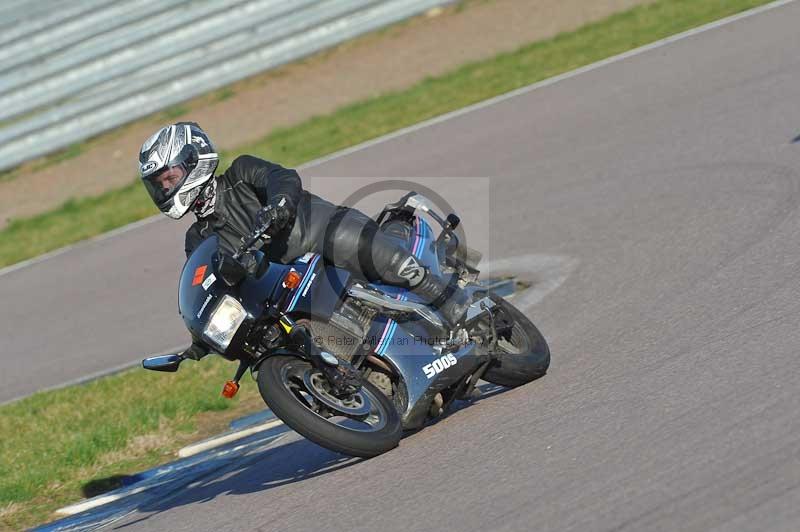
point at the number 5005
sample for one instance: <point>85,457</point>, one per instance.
<point>439,365</point>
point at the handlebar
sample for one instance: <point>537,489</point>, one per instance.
<point>247,243</point>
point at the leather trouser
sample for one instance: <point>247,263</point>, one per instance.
<point>353,241</point>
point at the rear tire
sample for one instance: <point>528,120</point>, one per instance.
<point>524,357</point>
<point>282,390</point>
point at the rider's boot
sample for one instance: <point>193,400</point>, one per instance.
<point>447,297</point>
<point>442,294</point>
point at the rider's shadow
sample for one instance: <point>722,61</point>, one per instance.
<point>260,471</point>
<point>272,467</point>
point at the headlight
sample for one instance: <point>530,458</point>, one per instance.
<point>224,322</point>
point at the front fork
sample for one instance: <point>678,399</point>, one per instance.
<point>344,379</point>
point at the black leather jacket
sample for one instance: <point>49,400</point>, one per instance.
<point>249,184</point>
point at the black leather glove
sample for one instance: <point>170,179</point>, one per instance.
<point>276,213</point>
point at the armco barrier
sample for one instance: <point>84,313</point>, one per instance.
<point>71,70</point>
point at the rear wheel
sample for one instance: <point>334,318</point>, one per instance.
<point>364,424</point>
<point>523,355</point>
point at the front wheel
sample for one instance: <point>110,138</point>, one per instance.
<point>364,424</point>
<point>523,354</point>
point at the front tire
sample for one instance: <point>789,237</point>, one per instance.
<point>524,356</point>
<point>284,385</point>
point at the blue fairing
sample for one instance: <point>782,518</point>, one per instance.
<point>422,246</point>
<point>408,345</point>
<point>408,348</point>
<point>200,287</point>
<point>321,287</point>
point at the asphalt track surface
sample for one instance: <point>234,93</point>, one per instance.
<point>672,399</point>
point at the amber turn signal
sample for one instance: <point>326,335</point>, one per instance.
<point>230,389</point>
<point>292,280</point>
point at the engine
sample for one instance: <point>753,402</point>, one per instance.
<point>345,333</point>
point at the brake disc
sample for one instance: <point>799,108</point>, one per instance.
<point>355,405</point>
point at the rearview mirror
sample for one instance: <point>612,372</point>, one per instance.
<point>163,363</point>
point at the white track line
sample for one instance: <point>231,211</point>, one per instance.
<point>199,466</point>
<point>549,81</point>
<point>98,238</point>
<point>451,115</point>
<point>99,501</point>
<point>92,376</point>
<point>199,447</point>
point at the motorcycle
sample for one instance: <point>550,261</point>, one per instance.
<point>347,363</point>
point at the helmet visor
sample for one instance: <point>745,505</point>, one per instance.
<point>162,186</point>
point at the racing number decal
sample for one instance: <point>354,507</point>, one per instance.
<point>439,365</point>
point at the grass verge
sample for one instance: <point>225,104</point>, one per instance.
<point>55,443</point>
<point>77,220</point>
<point>62,445</point>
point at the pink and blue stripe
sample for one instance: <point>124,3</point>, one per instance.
<point>312,265</point>
<point>420,241</point>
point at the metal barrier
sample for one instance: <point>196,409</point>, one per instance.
<point>70,70</point>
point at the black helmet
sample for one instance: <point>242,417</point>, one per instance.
<point>175,164</point>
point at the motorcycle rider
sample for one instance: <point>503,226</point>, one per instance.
<point>177,166</point>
